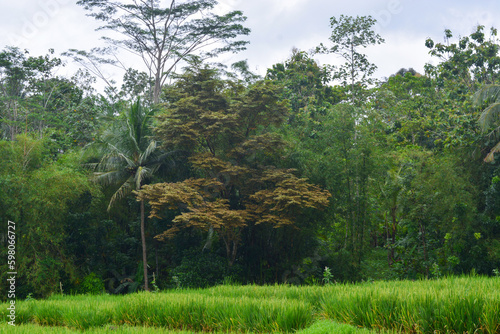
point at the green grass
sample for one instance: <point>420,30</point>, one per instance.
<point>456,305</point>
<point>319,327</point>
<point>329,327</point>
<point>451,305</point>
<point>108,329</point>
<point>175,310</point>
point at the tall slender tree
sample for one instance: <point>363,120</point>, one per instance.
<point>128,159</point>
<point>349,34</point>
<point>164,36</point>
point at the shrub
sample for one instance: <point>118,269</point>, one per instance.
<point>92,284</point>
<point>203,269</point>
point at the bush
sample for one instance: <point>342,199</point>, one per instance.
<point>203,269</point>
<point>92,284</point>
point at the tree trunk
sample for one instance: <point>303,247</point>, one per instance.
<point>393,235</point>
<point>349,199</point>
<point>144,257</point>
<point>156,90</point>
<point>157,260</point>
<point>424,245</point>
<point>158,75</point>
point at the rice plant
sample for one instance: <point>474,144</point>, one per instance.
<point>109,329</point>
<point>184,311</point>
<point>449,305</point>
<point>457,305</point>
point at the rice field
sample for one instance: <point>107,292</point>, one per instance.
<point>450,305</point>
<point>319,327</point>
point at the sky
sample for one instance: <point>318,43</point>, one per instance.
<point>277,27</point>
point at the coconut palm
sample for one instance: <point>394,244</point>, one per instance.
<point>489,120</point>
<point>129,157</point>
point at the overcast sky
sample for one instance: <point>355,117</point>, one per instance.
<point>277,26</point>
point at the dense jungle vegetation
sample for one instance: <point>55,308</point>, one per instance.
<point>192,174</point>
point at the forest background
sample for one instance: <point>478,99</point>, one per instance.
<point>196,173</point>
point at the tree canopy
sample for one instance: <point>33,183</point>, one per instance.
<point>210,174</point>
<point>233,154</point>
<point>164,36</point>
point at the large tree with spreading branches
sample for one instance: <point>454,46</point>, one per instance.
<point>162,35</point>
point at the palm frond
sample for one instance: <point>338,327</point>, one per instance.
<point>110,163</point>
<point>118,156</point>
<point>118,138</point>
<point>145,123</point>
<point>124,190</point>
<point>138,119</point>
<point>146,154</point>
<point>491,155</point>
<point>164,155</point>
<point>141,174</point>
<point>91,165</point>
<point>489,117</point>
<point>111,177</point>
<point>127,156</point>
<point>91,151</point>
<point>488,93</point>
<point>132,134</point>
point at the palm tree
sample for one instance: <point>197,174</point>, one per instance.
<point>129,157</point>
<point>490,116</point>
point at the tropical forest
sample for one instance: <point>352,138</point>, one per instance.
<point>196,196</point>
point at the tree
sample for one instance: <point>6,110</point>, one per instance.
<point>333,148</point>
<point>469,66</point>
<point>128,159</point>
<point>233,153</point>
<point>473,60</point>
<point>26,87</point>
<point>349,178</point>
<point>38,195</point>
<point>412,110</point>
<point>488,120</point>
<point>402,72</point>
<point>437,219</point>
<point>348,35</point>
<point>164,36</point>
<point>472,66</point>
<point>33,99</point>
<point>305,86</point>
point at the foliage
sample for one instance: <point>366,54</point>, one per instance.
<point>164,36</point>
<point>128,159</point>
<point>238,167</point>
<point>470,62</point>
<point>327,276</point>
<point>348,36</point>
<point>464,304</point>
<point>435,197</point>
<point>232,151</point>
<point>488,119</point>
<point>431,127</point>
<point>416,112</point>
<point>332,143</point>
<point>201,269</point>
<point>33,99</point>
<point>127,156</point>
<point>304,86</point>
<point>92,284</point>
<point>323,151</point>
<point>40,217</point>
